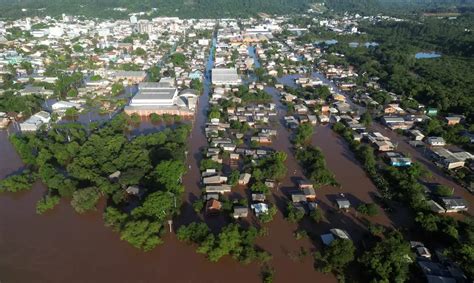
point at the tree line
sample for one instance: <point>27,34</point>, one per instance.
<point>75,162</point>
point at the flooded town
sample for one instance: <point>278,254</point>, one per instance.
<point>256,149</point>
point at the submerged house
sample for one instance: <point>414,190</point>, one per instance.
<point>454,204</point>
<point>240,212</point>
<point>343,203</point>
<point>333,234</point>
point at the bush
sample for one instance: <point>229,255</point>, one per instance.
<point>294,215</point>
<point>135,118</point>
<point>268,217</point>
<point>376,229</point>
<point>303,134</point>
<point>114,218</point>
<point>85,199</point>
<point>232,240</point>
<point>142,234</point>
<point>19,182</point>
<point>155,118</point>
<point>209,164</point>
<point>443,191</point>
<point>259,187</point>
<point>47,203</point>
<point>234,177</point>
<point>369,209</point>
<point>198,205</point>
<point>268,274</point>
<point>336,256</point>
<point>312,160</point>
<point>317,215</point>
<point>300,234</point>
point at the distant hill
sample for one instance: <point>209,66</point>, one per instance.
<point>209,8</point>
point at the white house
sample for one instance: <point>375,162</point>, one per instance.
<point>34,122</point>
<point>435,141</point>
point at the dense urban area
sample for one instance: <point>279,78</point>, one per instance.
<point>296,142</point>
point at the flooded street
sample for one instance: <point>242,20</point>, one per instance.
<point>355,184</point>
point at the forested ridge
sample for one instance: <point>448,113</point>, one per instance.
<point>212,8</point>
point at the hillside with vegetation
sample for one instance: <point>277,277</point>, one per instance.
<point>212,8</point>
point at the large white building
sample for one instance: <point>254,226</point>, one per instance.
<point>162,98</point>
<point>157,94</point>
<point>225,76</point>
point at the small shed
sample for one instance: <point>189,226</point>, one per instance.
<point>114,176</point>
<point>298,197</point>
<point>258,197</point>
<point>244,179</point>
<point>270,184</point>
<point>343,203</point>
<point>334,234</point>
<point>133,190</point>
<point>240,212</point>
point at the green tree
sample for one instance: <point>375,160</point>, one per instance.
<point>196,232</point>
<point>464,255</point>
<point>214,114</point>
<point>20,182</point>
<point>154,73</point>
<point>366,119</point>
<point>117,88</point>
<point>317,215</point>
<point>268,216</point>
<point>443,191</point>
<point>158,205</point>
<point>294,214</point>
<point>178,59</point>
<point>139,52</point>
<point>369,209</point>
<point>336,256</point>
<point>84,200</point>
<point>114,218</point>
<point>72,112</point>
<point>197,85</point>
<point>142,234</point>
<point>168,174</point>
<point>303,133</point>
<point>234,177</point>
<point>48,202</point>
<point>388,260</point>
<point>155,118</point>
<point>209,164</point>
